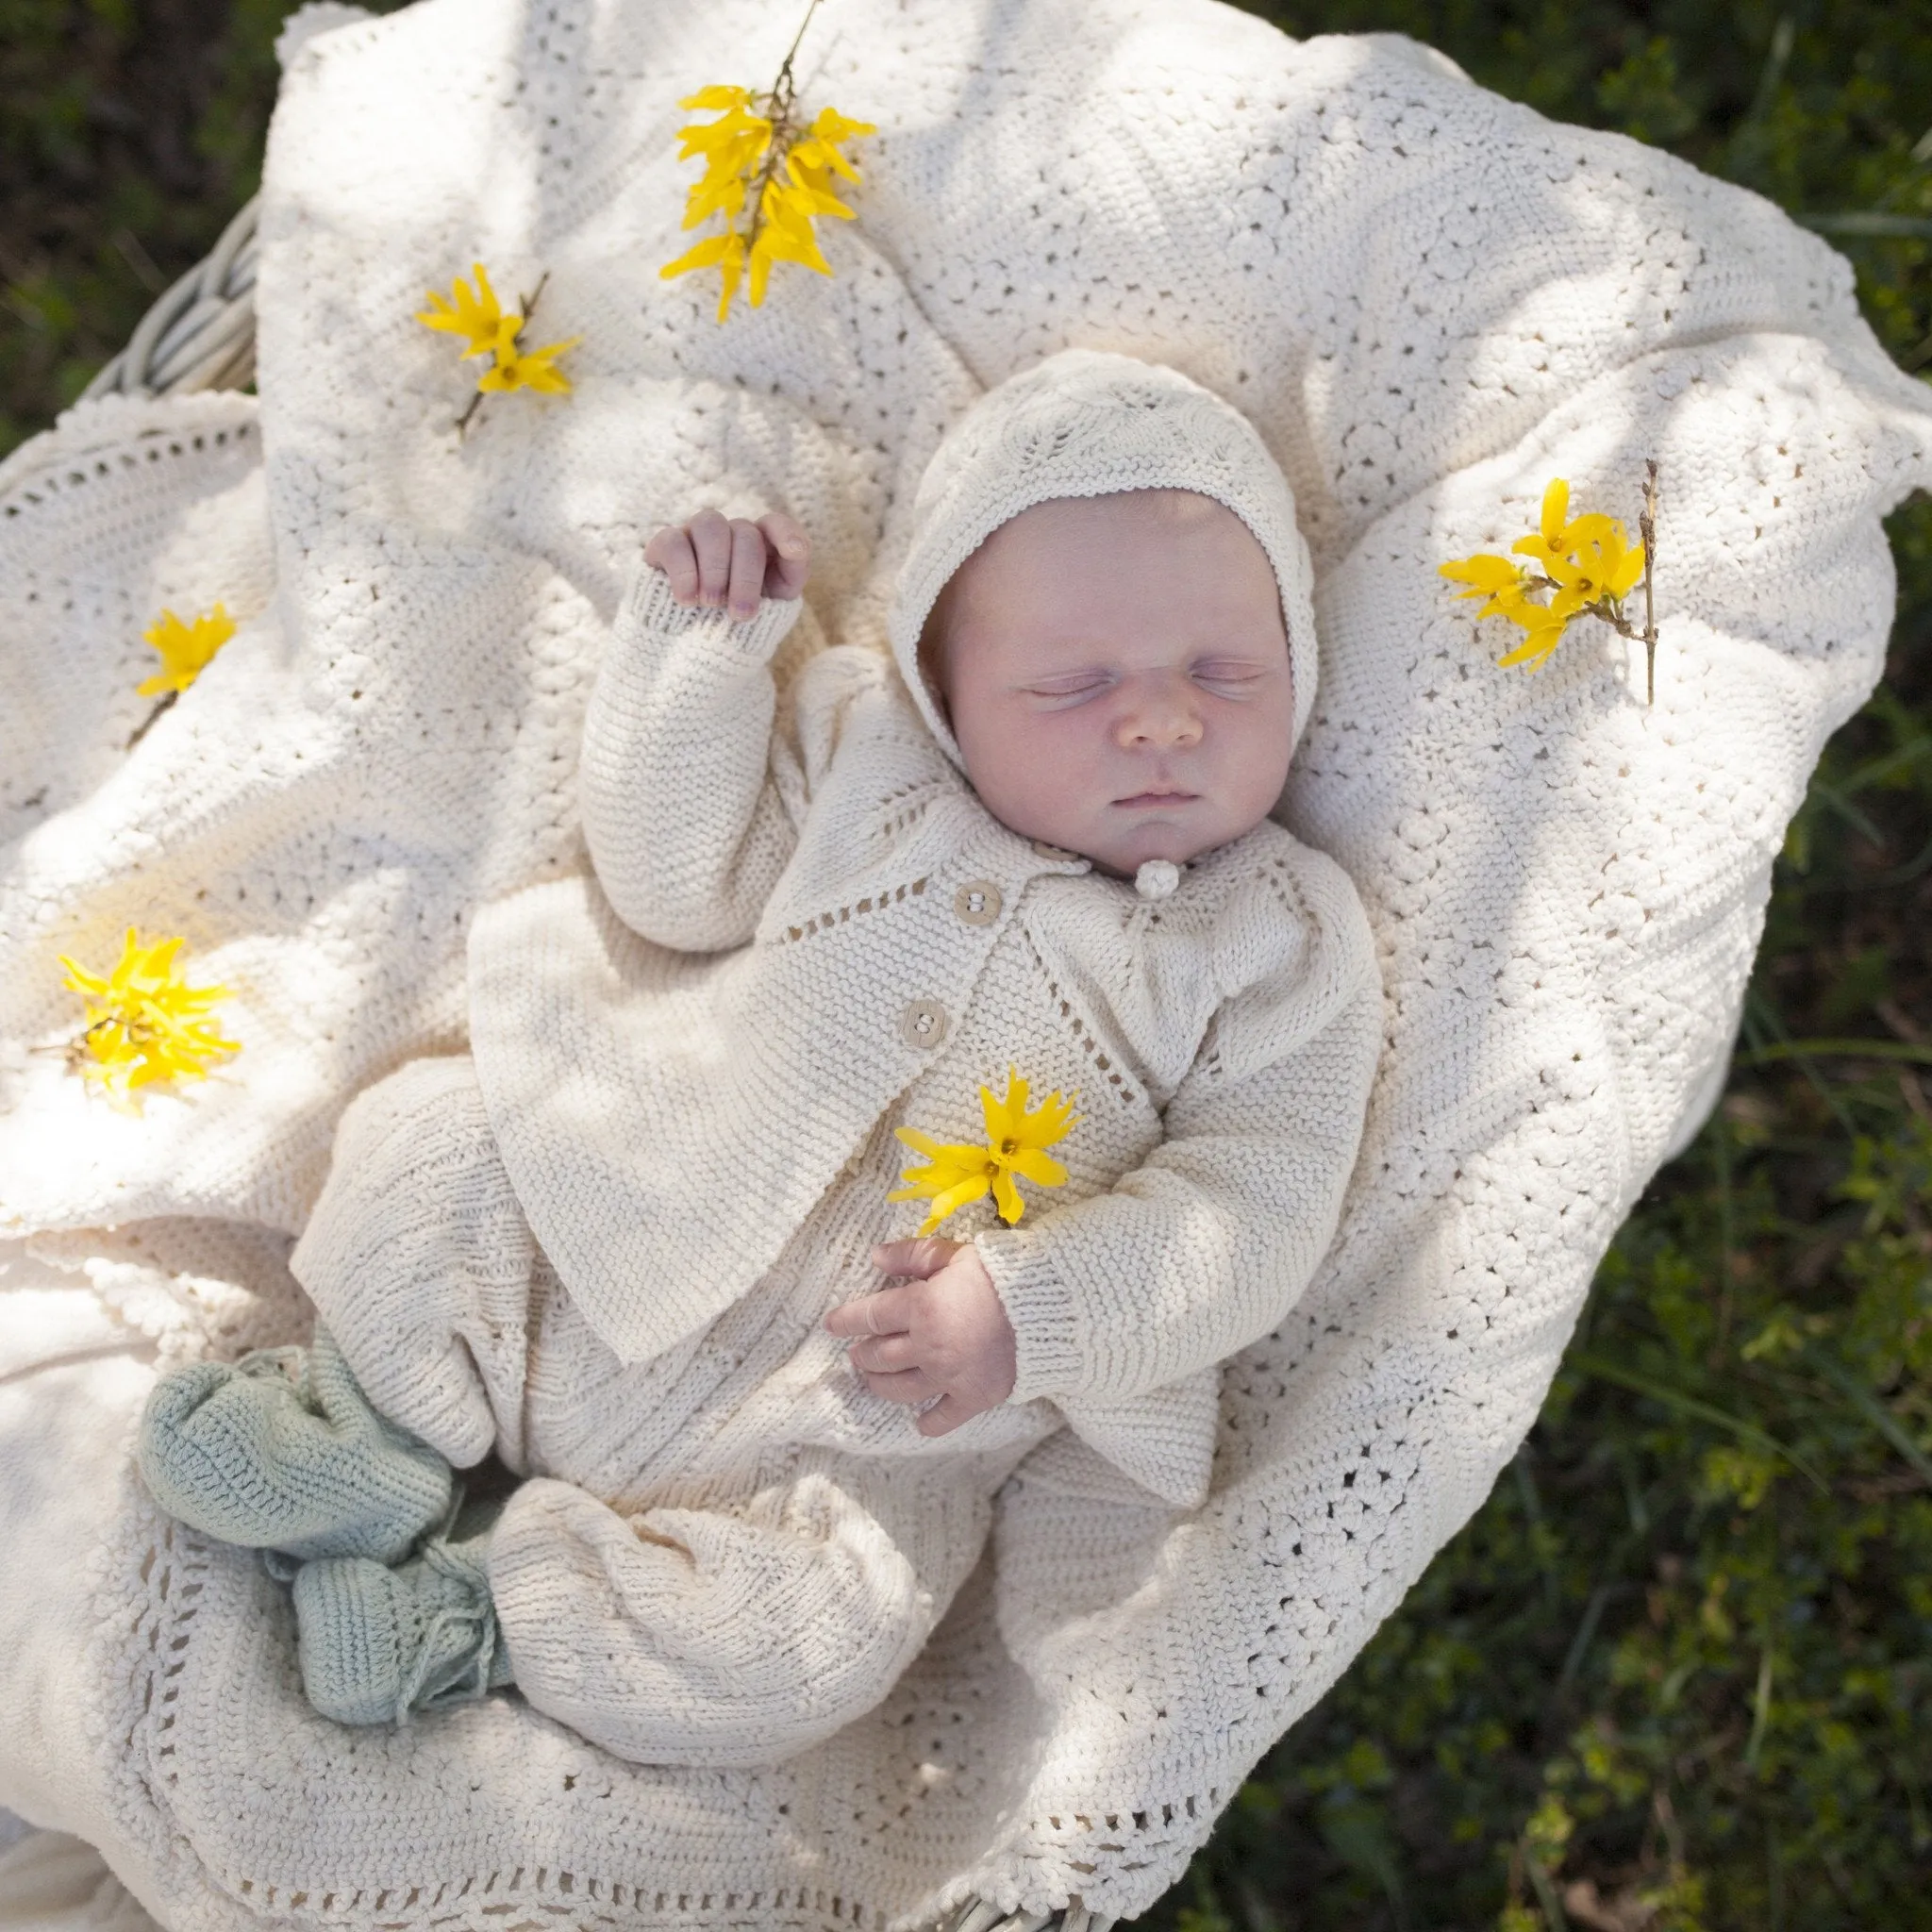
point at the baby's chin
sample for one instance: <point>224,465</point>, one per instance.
<point>1123,850</point>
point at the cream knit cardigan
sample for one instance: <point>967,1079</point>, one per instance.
<point>669,1118</point>
<point>1431,302</point>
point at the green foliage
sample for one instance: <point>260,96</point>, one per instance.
<point>131,130</point>
<point>1676,1676</point>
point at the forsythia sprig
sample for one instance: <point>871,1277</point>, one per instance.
<point>186,650</point>
<point>1588,565</point>
<point>144,1023</point>
<point>953,1175</point>
<point>770,177</point>
<point>478,318</point>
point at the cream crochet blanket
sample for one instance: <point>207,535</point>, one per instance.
<point>1431,302</point>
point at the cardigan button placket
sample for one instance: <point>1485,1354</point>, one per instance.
<point>923,1023</point>
<point>979,902</point>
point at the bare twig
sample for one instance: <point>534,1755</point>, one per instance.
<point>1646,525</point>
<point>778,105</point>
<point>148,723</point>
<point>528,304</point>
<point>1610,611</point>
<point>783,84</point>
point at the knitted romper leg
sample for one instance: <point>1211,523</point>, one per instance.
<point>283,1451</point>
<point>731,1636</point>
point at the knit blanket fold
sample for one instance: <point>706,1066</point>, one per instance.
<point>1431,302</point>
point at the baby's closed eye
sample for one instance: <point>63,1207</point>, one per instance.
<point>1069,687</point>
<point>1232,676</point>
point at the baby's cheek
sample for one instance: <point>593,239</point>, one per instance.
<point>1253,760</point>
<point>1034,772</point>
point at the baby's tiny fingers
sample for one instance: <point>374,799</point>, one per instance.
<point>915,1260</point>
<point>884,1354</point>
<point>909,1386</point>
<point>747,569</point>
<point>888,1312</point>
<point>669,551</point>
<point>943,1417</point>
<point>711,537</point>
<point>789,562</point>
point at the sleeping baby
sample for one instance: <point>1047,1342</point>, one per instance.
<point>948,1053</point>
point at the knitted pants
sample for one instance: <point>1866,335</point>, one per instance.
<point>747,1615</point>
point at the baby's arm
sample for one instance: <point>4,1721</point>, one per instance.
<point>686,828</point>
<point>1208,1244</point>
<point>1198,1252</point>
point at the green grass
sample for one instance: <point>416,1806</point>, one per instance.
<point>1678,1672</point>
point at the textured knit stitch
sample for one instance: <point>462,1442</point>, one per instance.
<point>1351,245</point>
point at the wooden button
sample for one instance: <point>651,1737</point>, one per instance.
<point>979,902</point>
<point>923,1023</point>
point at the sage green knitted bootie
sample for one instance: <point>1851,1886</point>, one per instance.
<point>282,1451</point>
<point>378,1643</point>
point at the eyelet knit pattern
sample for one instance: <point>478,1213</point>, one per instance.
<point>1429,302</point>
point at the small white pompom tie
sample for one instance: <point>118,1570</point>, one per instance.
<point>1157,879</point>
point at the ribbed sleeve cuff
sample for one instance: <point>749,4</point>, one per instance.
<point>653,609</point>
<point>1049,1358</point>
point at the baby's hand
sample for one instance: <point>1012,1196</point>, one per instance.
<point>710,560</point>
<point>943,1333</point>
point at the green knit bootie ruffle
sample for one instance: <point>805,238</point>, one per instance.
<point>377,1643</point>
<point>282,1451</point>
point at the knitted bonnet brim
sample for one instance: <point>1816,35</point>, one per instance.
<point>1085,423</point>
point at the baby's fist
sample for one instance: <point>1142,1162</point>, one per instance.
<point>944,1334</point>
<point>714,562</point>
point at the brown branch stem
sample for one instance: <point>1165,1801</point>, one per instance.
<point>1610,611</point>
<point>1646,526</point>
<point>152,719</point>
<point>528,304</point>
<point>783,83</point>
<point>779,102</point>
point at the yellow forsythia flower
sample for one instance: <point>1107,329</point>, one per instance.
<point>768,178</point>
<point>479,319</point>
<point>144,1023</point>
<point>184,649</point>
<point>472,313</point>
<point>954,1176</point>
<point>529,369</point>
<point>1589,563</point>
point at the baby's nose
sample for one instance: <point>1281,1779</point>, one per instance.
<point>1165,720</point>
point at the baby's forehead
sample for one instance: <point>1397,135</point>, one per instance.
<point>1118,530</point>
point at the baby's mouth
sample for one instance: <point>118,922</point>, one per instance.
<point>1148,801</point>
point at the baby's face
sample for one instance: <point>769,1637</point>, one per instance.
<point>1116,672</point>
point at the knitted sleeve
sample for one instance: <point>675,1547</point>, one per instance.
<point>1207,1245</point>
<point>688,827</point>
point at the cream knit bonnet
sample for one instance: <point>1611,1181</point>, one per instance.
<point>1088,423</point>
